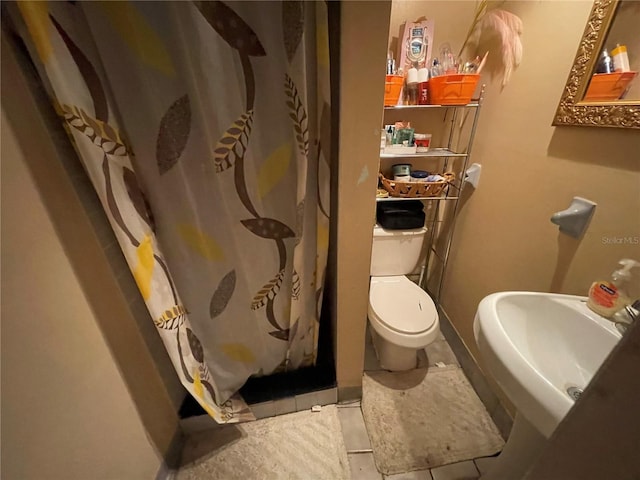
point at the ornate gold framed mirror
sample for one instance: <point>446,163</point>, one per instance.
<point>615,108</point>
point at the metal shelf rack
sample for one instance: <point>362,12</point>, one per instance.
<point>442,211</point>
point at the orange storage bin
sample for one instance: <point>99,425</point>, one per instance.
<point>608,87</point>
<point>454,89</point>
<point>392,88</point>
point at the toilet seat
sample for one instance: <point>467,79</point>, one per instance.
<point>401,305</point>
<point>401,312</point>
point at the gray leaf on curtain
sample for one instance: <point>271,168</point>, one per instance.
<point>226,165</point>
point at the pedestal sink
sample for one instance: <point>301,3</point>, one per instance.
<point>542,349</point>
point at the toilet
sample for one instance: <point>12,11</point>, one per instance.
<point>403,317</point>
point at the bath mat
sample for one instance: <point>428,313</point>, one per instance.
<point>425,418</point>
<point>305,445</point>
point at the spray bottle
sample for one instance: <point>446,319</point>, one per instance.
<point>606,298</point>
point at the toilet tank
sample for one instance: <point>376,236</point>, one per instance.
<point>396,252</point>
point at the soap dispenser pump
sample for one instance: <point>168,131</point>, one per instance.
<point>606,298</point>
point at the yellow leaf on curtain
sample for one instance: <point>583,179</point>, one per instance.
<point>322,237</point>
<point>198,389</point>
<point>200,242</point>
<point>138,35</point>
<point>273,169</point>
<point>36,16</point>
<point>144,268</point>
<point>238,352</point>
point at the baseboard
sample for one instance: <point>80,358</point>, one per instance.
<point>499,414</point>
<point>270,408</point>
<point>165,473</point>
<point>172,457</point>
<point>347,394</point>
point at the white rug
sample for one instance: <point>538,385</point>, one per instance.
<point>305,445</point>
<point>425,418</point>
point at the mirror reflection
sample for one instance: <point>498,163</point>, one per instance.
<point>615,74</point>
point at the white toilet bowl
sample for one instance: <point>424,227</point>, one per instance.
<point>404,319</point>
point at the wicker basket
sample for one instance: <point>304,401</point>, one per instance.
<point>416,189</point>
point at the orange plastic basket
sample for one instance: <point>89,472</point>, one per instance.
<point>392,88</point>
<point>452,89</point>
<point>607,87</point>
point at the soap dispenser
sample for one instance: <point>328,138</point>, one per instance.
<point>606,298</point>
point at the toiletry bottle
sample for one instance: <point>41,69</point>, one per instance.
<point>605,64</point>
<point>620,58</point>
<point>390,134</point>
<point>606,298</point>
<point>412,85</point>
<point>423,92</point>
<point>436,69</point>
<point>391,64</point>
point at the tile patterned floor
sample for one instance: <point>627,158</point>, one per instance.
<point>361,461</point>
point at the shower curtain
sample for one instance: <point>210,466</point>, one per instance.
<point>204,128</point>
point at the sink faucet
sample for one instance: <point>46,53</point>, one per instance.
<point>626,316</point>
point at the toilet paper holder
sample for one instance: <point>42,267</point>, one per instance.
<point>574,220</point>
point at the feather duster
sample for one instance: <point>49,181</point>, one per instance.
<point>508,28</point>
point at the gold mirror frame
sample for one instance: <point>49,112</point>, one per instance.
<point>572,110</point>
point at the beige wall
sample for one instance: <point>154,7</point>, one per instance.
<point>81,394</point>
<point>364,27</point>
<point>452,21</point>
<point>66,412</point>
<point>503,238</point>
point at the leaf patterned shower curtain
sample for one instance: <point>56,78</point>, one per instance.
<point>204,128</point>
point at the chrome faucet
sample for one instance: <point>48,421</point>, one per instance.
<point>626,316</point>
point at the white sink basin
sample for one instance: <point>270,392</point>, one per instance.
<point>538,345</point>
